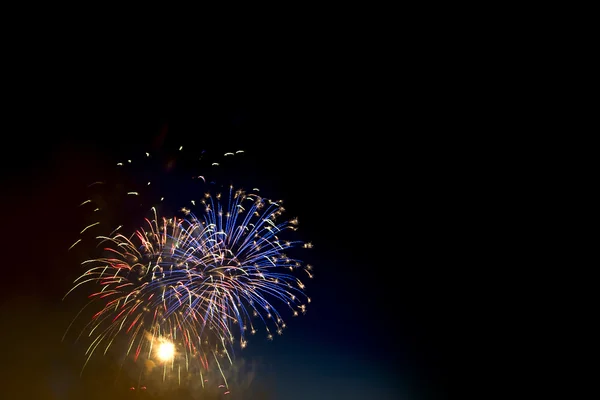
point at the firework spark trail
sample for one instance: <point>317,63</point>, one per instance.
<point>196,281</point>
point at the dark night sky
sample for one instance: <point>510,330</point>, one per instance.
<point>362,178</point>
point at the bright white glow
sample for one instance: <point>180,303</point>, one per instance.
<point>166,351</point>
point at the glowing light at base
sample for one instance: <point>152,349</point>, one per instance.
<point>165,351</point>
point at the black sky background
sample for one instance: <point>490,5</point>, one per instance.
<point>364,175</point>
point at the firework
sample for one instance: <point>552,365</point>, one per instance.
<point>186,290</point>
